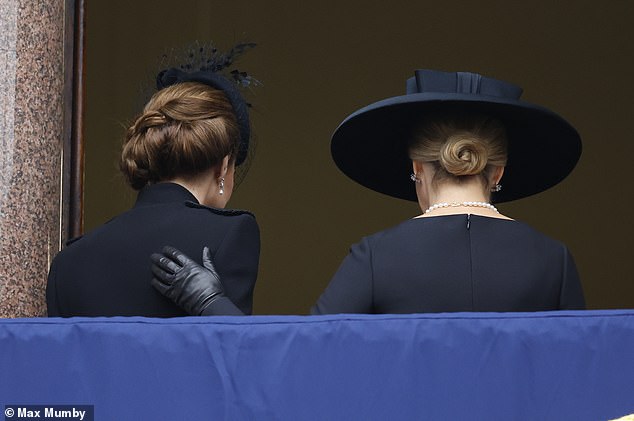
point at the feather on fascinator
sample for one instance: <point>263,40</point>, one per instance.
<point>208,65</point>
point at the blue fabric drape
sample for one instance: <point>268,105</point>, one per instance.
<point>533,366</point>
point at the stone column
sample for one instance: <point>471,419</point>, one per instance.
<point>32,132</point>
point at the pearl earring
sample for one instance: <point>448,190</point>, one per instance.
<point>414,178</point>
<point>222,186</point>
<point>496,188</point>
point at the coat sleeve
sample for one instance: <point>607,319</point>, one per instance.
<point>351,289</point>
<point>236,260</point>
<point>571,296</point>
<point>222,307</point>
<point>52,305</point>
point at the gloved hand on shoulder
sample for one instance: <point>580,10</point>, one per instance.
<point>191,286</point>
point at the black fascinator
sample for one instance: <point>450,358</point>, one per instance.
<point>206,64</point>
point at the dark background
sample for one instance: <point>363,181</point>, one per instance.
<point>320,61</point>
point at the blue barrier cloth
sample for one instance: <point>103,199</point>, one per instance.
<point>570,365</point>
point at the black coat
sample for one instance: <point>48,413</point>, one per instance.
<point>107,271</point>
<point>454,263</point>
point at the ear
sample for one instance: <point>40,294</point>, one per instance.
<point>498,172</point>
<point>221,169</point>
<point>417,167</point>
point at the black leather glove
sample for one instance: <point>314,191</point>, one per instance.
<point>189,285</point>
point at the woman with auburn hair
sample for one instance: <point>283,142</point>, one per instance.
<point>450,144</point>
<point>181,155</point>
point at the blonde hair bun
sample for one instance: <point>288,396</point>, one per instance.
<point>462,154</point>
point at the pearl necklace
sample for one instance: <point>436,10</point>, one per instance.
<point>458,204</point>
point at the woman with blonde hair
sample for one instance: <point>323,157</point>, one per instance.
<point>455,143</point>
<point>181,155</point>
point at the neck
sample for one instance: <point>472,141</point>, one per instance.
<point>467,191</point>
<point>454,198</point>
<point>458,207</point>
<point>203,186</point>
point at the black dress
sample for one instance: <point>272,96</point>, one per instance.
<point>454,263</point>
<point>107,272</point>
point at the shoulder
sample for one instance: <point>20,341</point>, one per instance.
<point>518,229</point>
<point>217,218</point>
<point>431,231</point>
<point>391,237</point>
<point>517,238</point>
<point>218,211</point>
<point>392,234</point>
<point>227,225</point>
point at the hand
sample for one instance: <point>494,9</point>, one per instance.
<point>189,285</point>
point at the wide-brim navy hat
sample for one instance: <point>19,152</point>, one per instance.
<point>371,145</point>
